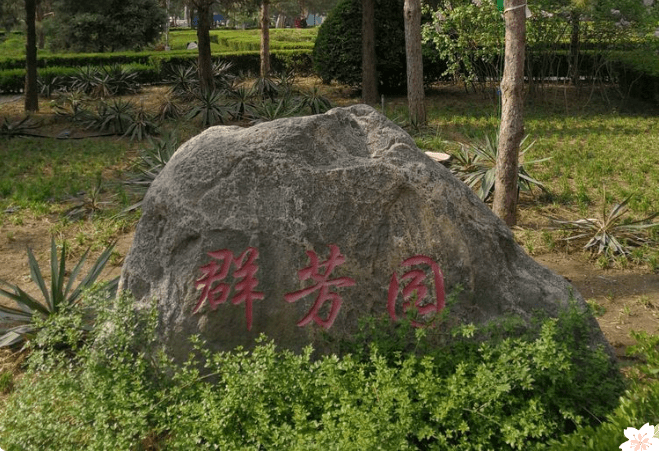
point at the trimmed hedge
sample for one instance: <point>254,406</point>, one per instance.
<point>108,59</point>
<point>637,73</point>
<point>248,62</point>
<point>153,69</point>
<point>12,81</point>
<point>79,59</point>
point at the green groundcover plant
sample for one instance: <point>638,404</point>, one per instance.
<point>112,388</point>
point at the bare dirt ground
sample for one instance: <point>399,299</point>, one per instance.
<point>628,299</point>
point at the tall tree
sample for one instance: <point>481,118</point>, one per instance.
<point>100,25</point>
<point>369,72</point>
<point>31,88</point>
<point>511,130</point>
<point>265,38</point>
<point>204,59</point>
<point>414,57</point>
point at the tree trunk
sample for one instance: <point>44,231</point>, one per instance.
<point>414,58</point>
<point>265,38</point>
<point>574,47</point>
<point>511,130</point>
<point>369,73</point>
<point>204,62</point>
<point>31,87</point>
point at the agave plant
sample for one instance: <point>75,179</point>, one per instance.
<point>269,110</point>
<point>48,84</point>
<point>88,203</point>
<point>209,107</point>
<point>120,80</point>
<point>183,79</point>
<point>285,81</point>
<point>266,88</point>
<point>85,79</point>
<point>151,161</point>
<point>239,102</point>
<point>141,125</point>
<point>115,116</point>
<point>102,86</point>
<point>475,164</point>
<point>608,234</point>
<point>316,102</point>
<point>18,323</point>
<point>20,127</point>
<point>71,105</point>
<point>169,106</point>
<point>221,73</point>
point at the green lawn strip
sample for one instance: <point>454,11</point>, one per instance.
<point>593,154</point>
<point>35,171</point>
<point>587,152</point>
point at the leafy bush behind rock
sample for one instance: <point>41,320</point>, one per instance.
<point>115,390</point>
<point>337,54</point>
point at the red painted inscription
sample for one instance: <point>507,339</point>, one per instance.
<point>416,278</point>
<point>218,293</point>
<point>323,285</point>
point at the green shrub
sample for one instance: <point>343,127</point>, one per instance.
<point>337,54</point>
<point>469,38</point>
<point>106,25</point>
<point>639,405</point>
<point>118,391</point>
<point>637,73</point>
<point>12,81</point>
<point>298,61</point>
<point>152,58</point>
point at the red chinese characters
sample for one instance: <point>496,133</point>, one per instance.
<point>323,285</point>
<point>416,289</point>
<point>416,278</point>
<point>218,293</point>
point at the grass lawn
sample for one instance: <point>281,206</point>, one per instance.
<point>595,151</point>
<point>598,155</point>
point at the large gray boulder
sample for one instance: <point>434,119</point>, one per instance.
<point>301,226</point>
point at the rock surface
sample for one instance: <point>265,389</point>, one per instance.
<point>303,225</point>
